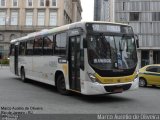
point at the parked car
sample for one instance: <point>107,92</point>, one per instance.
<point>149,75</point>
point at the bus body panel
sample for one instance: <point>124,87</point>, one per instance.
<point>42,68</point>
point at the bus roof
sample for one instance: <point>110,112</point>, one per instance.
<point>62,28</point>
<point>81,25</point>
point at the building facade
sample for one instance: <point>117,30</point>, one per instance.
<point>20,17</point>
<point>103,10</point>
<point>144,17</point>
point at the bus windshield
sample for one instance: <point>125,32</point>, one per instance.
<point>108,52</point>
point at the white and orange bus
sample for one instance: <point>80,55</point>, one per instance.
<point>86,57</point>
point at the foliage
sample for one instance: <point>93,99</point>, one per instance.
<point>4,61</point>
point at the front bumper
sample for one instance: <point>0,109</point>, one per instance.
<point>97,88</point>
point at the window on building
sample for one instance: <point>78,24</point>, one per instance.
<point>48,45</point>
<point>123,6</point>
<point>145,6</point>
<point>53,18</point>
<point>15,3</point>
<point>29,3</point>
<point>134,5</point>
<point>47,2</point>
<point>2,17</point>
<point>1,37</point>
<point>29,18</point>
<point>156,16</point>
<point>156,57</point>
<point>38,46</point>
<point>106,11</point>
<point>54,2</point>
<point>2,3</point>
<point>41,18</point>
<point>14,17</point>
<point>144,58</point>
<point>41,3</point>
<point>60,44</point>
<point>134,16</point>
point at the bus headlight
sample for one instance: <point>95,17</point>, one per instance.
<point>93,78</point>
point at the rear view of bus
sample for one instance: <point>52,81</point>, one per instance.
<point>112,58</point>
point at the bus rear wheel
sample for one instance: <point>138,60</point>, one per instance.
<point>61,86</point>
<point>23,77</point>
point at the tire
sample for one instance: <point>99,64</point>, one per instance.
<point>142,82</point>
<point>61,86</point>
<point>23,77</point>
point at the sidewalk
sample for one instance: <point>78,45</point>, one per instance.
<point>4,66</point>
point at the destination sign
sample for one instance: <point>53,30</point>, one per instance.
<point>113,28</point>
<point>104,28</point>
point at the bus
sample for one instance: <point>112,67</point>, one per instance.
<point>90,58</point>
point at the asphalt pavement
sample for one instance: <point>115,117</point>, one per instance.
<point>34,97</point>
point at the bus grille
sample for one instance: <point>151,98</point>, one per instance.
<point>112,89</point>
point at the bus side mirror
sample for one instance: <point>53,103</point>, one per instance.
<point>137,41</point>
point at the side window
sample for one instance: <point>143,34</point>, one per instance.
<point>29,49</point>
<point>38,46</point>
<point>48,45</point>
<point>152,69</point>
<point>22,48</point>
<point>60,44</point>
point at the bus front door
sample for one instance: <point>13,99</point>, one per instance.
<point>74,63</point>
<point>16,60</point>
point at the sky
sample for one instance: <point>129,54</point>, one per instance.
<point>88,10</point>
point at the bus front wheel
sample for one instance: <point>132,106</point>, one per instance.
<point>23,77</point>
<point>61,86</point>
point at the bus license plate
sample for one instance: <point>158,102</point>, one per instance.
<point>118,90</point>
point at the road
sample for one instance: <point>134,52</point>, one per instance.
<point>41,98</point>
